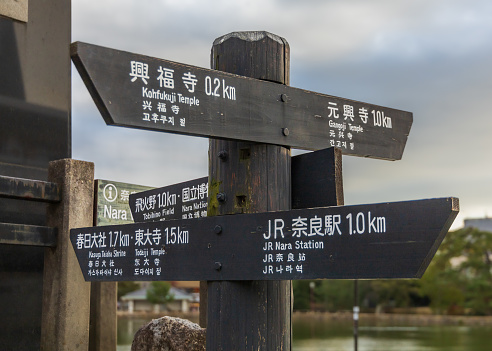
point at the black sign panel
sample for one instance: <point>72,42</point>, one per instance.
<point>185,200</point>
<point>388,240</point>
<point>317,179</point>
<point>137,91</point>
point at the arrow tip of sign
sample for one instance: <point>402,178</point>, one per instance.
<point>455,204</point>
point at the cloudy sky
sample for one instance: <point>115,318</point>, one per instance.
<point>430,57</point>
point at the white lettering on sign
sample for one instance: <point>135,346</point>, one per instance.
<point>166,77</point>
<point>310,233</point>
<point>190,101</point>
<point>196,192</point>
<point>363,115</point>
<point>113,213</point>
<point>342,133</point>
<point>219,88</point>
<point>107,250</point>
<point>139,70</point>
<point>166,199</point>
<point>365,223</point>
<point>110,192</point>
<point>99,240</point>
<point>145,203</point>
<point>380,120</point>
<point>189,81</point>
<point>176,235</point>
<point>159,95</point>
<point>278,226</point>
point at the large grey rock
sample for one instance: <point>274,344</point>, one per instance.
<point>170,334</point>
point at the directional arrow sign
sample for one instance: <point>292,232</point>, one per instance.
<point>137,91</point>
<point>389,240</point>
<point>179,201</point>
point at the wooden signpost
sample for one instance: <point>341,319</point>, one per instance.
<point>250,256</point>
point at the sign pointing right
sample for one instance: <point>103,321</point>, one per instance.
<point>376,241</point>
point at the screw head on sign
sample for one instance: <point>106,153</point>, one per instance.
<point>285,131</point>
<point>283,97</point>
<point>221,197</point>
<point>218,266</point>
<point>218,229</point>
<point>223,155</point>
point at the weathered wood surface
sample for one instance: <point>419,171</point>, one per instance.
<point>30,235</point>
<point>249,314</point>
<point>130,90</point>
<point>376,241</point>
<point>28,189</point>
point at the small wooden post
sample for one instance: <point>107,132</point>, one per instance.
<point>246,178</point>
<point>103,324</point>
<point>66,296</point>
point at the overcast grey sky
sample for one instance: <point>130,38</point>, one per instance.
<point>430,57</point>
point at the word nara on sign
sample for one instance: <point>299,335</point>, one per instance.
<point>138,91</point>
<point>388,240</point>
<point>112,200</point>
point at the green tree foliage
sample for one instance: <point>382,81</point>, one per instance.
<point>126,287</point>
<point>460,275</point>
<point>158,293</point>
<point>336,295</point>
<point>458,280</point>
<point>394,293</point>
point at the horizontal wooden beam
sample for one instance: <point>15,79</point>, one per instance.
<point>30,235</point>
<point>28,189</point>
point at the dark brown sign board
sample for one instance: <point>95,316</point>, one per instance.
<point>185,200</point>
<point>313,185</point>
<point>137,91</point>
<point>317,179</point>
<point>377,241</point>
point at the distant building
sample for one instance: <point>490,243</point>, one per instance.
<point>183,301</point>
<point>483,224</point>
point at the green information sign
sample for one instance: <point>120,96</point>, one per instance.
<point>112,201</point>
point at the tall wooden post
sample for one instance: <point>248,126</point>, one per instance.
<point>246,178</point>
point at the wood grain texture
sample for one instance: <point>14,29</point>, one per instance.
<point>250,315</point>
